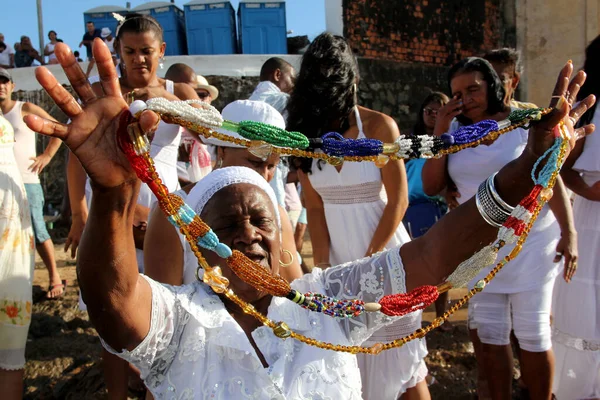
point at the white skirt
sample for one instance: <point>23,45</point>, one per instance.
<point>16,263</point>
<point>576,310</point>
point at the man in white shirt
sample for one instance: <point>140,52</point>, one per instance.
<point>7,54</point>
<point>276,82</point>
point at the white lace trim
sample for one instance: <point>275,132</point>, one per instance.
<point>574,342</point>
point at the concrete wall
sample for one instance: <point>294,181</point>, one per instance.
<point>334,17</point>
<point>550,32</point>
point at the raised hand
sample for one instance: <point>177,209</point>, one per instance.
<point>542,134</point>
<point>91,135</point>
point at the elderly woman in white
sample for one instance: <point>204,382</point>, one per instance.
<point>192,343</point>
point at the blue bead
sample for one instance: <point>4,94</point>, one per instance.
<point>223,250</point>
<point>448,139</point>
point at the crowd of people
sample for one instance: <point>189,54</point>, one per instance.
<point>375,230</point>
<point>23,54</point>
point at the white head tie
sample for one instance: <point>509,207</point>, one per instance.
<point>206,188</point>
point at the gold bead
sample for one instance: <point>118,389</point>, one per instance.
<point>515,251</point>
<point>215,279</point>
<point>444,287</point>
<point>420,333</point>
<point>335,161</point>
<point>546,194</point>
<point>391,148</point>
<point>381,160</point>
<point>282,331</point>
<point>376,348</point>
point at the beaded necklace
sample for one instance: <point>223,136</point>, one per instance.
<point>263,139</point>
<point>135,147</point>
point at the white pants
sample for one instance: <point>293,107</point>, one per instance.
<point>494,315</point>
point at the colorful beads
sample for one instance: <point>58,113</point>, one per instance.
<point>333,307</point>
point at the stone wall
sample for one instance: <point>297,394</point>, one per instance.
<point>398,89</point>
<point>424,31</point>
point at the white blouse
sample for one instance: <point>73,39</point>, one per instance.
<point>196,350</point>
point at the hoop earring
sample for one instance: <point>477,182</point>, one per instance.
<point>161,64</point>
<point>219,163</point>
<point>284,265</point>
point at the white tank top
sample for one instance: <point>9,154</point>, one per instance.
<point>25,140</point>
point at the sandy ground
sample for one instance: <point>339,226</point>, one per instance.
<point>63,351</point>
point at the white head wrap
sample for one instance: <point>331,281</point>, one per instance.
<point>246,110</point>
<point>206,188</point>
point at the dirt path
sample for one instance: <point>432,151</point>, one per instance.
<point>63,351</point>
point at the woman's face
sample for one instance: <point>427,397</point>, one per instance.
<point>430,114</point>
<point>243,217</point>
<point>233,157</point>
<point>473,90</point>
<point>52,36</point>
<point>141,53</point>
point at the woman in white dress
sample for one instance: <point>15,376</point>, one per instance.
<point>190,342</point>
<point>576,303</point>
<point>141,46</point>
<point>16,268</point>
<point>355,210</point>
<point>49,49</point>
<point>520,297</point>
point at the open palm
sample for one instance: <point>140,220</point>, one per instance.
<point>91,135</point>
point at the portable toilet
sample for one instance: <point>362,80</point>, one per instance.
<point>171,18</point>
<point>210,27</point>
<point>102,17</point>
<point>262,27</point>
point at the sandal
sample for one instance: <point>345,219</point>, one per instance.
<point>62,286</point>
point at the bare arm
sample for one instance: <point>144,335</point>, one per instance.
<point>317,224</point>
<point>457,236</point>
<point>394,180</point>
<point>40,162</point>
<point>163,253</point>
<point>293,271</point>
<point>76,178</point>
<point>573,179</point>
<point>566,248</point>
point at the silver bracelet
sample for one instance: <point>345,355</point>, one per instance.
<point>489,209</point>
<point>492,187</point>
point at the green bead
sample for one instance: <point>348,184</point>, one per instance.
<point>479,285</point>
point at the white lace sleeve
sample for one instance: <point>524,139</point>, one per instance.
<point>166,323</point>
<point>368,279</point>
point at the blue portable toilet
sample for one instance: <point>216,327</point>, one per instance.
<point>171,18</point>
<point>102,17</point>
<point>262,27</point>
<point>210,27</point>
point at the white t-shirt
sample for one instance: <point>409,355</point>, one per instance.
<point>5,55</point>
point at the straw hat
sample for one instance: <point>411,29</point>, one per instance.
<point>203,84</point>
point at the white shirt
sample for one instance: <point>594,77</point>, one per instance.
<point>196,350</point>
<point>5,55</point>
<point>269,93</point>
<point>111,45</point>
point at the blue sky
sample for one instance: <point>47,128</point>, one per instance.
<point>304,17</point>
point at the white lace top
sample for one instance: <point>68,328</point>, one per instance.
<point>196,350</point>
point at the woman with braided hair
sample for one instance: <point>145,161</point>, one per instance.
<point>355,210</point>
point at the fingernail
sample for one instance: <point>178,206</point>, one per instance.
<point>561,102</point>
<point>570,61</point>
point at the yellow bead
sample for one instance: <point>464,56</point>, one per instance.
<point>391,148</point>
<point>381,160</point>
<point>215,279</point>
<point>376,348</point>
<point>260,149</point>
<point>546,194</point>
<point>282,331</point>
<point>335,161</point>
<point>515,252</point>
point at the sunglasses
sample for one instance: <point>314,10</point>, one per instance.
<point>203,95</point>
